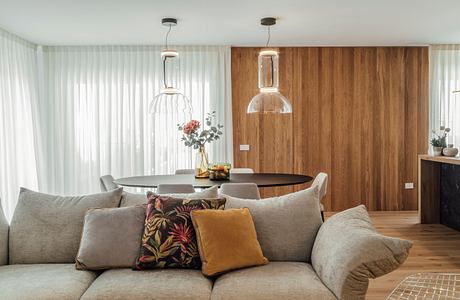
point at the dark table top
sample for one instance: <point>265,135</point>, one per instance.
<point>261,179</point>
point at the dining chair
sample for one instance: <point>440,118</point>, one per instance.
<point>240,190</point>
<point>184,171</point>
<point>242,171</point>
<point>175,189</point>
<point>107,184</point>
<point>321,182</point>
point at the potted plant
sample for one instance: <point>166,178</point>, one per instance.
<point>193,137</point>
<point>438,142</point>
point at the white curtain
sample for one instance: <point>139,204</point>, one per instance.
<point>18,97</point>
<point>94,117</point>
<point>444,80</point>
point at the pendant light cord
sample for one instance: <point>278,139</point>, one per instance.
<point>272,79</point>
<point>165,57</point>
<point>164,72</point>
<point>167,35</point>
<point>269,36</point>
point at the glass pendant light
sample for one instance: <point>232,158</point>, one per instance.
<point>170,99</point>
<point>269,100</point>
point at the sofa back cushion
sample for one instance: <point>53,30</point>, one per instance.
<point>4,228</point>
<point>131,199</point>
<point>286,226</point>
<point>47,228</point>
<point>111,238</point>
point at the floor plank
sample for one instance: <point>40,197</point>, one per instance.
<point>436,249</point>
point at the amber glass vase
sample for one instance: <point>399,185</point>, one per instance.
<point>201,164</point>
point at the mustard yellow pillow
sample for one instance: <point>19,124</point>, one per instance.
<point>226,240</point>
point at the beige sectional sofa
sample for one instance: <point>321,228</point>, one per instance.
<point>39,261</point>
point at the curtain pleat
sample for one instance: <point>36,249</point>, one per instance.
<point>444,79</point>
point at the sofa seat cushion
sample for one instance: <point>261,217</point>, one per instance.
<point>43,281</point>
<point>277,280</point>
<point>156,284</point>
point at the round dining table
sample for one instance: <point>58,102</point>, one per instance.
<point>261,179</point>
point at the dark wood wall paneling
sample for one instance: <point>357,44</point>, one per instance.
<point>360,114</point>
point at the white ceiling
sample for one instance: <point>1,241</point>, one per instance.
<point>233,22</point>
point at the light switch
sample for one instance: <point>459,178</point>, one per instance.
<point>409,185</point>
<point>244,147</point>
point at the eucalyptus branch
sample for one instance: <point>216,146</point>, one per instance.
<point>193,138</point>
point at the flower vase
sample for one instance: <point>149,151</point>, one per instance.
<point>201,164</point>
<point>437,151</point>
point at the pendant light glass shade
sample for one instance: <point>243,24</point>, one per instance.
<point>273,102</point>
<point>170,100</point>
<point>269,100</point>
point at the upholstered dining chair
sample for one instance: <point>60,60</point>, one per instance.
<point>175,189</point>
<point>184,171</point>
<point>240,190</point>
<point>107,184</point>
<point>321,182</point>
<point>242,171</point>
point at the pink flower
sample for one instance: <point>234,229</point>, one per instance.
<point>191,127</point>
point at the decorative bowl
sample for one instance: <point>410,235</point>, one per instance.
<point>219,171</point>
<point>450,152</point>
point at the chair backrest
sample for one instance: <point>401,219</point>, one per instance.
<point>321,182</point>
<point>175,189</point>
<point>240,190</point>
<point>241,171</point>
<point>184,171</point>
<point>107,184</point>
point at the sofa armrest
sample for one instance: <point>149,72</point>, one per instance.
<point>4,231</point>
<point>348,251</point>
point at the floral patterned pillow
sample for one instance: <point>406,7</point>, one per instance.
<point>169,239</point>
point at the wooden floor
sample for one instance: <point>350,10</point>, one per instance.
<point>436,249</point>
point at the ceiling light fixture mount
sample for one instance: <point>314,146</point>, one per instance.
<point>269,99</point>
<point>269,21</point>
<point>169,21</point>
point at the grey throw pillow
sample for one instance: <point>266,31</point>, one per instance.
<point>47,228</point>
<point>111,238</point>
<point>286,226</point>
<point>130,199</point>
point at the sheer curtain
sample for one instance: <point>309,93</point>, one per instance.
<point>444,79</point>
<point>18,96</point>
<point>94,117</point>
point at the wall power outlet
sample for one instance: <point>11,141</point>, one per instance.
<point>244,147</point>
<point>409,185</point>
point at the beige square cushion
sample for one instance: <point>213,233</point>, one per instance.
<point>286,226</point>
<point>160,284</point>
<point>130,199</point>
<point>4,228</point>
<point>275,281</point>
<point>43,282</point>
<point>348,251</point>
<point>111,238</point>
<point>47,228</point>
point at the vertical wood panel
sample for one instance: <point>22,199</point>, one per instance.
<point>360,114</point>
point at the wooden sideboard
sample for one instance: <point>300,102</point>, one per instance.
<point>429,187</point>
